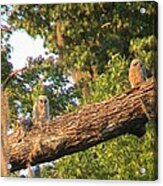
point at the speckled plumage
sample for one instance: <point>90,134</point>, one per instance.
<point>136,73</point>
<point>41,109</point>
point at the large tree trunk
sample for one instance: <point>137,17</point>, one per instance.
<point>4,121</point>
<point>85,128</point>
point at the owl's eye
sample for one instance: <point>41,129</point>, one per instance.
<point>135,64</point>
<point>41,101</point>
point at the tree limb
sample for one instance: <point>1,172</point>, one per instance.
<point>11,75</point>
<point>85,128</point>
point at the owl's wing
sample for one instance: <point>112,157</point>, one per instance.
<point>34,112</point>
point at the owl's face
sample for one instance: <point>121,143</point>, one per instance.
<point>42,101</point>
<point>136,63</point>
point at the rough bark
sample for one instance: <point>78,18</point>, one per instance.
<point>4,121</point>
<point>84,128</point>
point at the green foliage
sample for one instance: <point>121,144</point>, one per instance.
<point>106,36</point>
<point>6,65</point>
<point>115,71</point>
<point>86,38</point>
<point>146,49</point>
<point>44,76</point>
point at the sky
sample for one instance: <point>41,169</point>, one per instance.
<point>24,46</point>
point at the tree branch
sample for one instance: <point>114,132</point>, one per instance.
<point>85,128</point>
<point>11,75</point>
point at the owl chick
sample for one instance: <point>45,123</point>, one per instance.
<point>136,72</point>
<point>26,123</point>
<point>41,109</point>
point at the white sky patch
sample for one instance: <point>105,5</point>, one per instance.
<point>42,165</point>
<point>24,46</point>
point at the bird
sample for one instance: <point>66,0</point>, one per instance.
<point>40,109</point>
<point>26,123</point>
<point>136,72</point>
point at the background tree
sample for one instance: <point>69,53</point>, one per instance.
<point>94,44</point>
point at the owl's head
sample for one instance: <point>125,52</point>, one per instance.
<point>136,63</point>
<point>43,100</point>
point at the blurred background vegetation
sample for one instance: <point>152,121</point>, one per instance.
<point>94,44</point>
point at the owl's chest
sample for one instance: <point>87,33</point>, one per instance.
<point>136,75</point>
<point>42,111</point>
